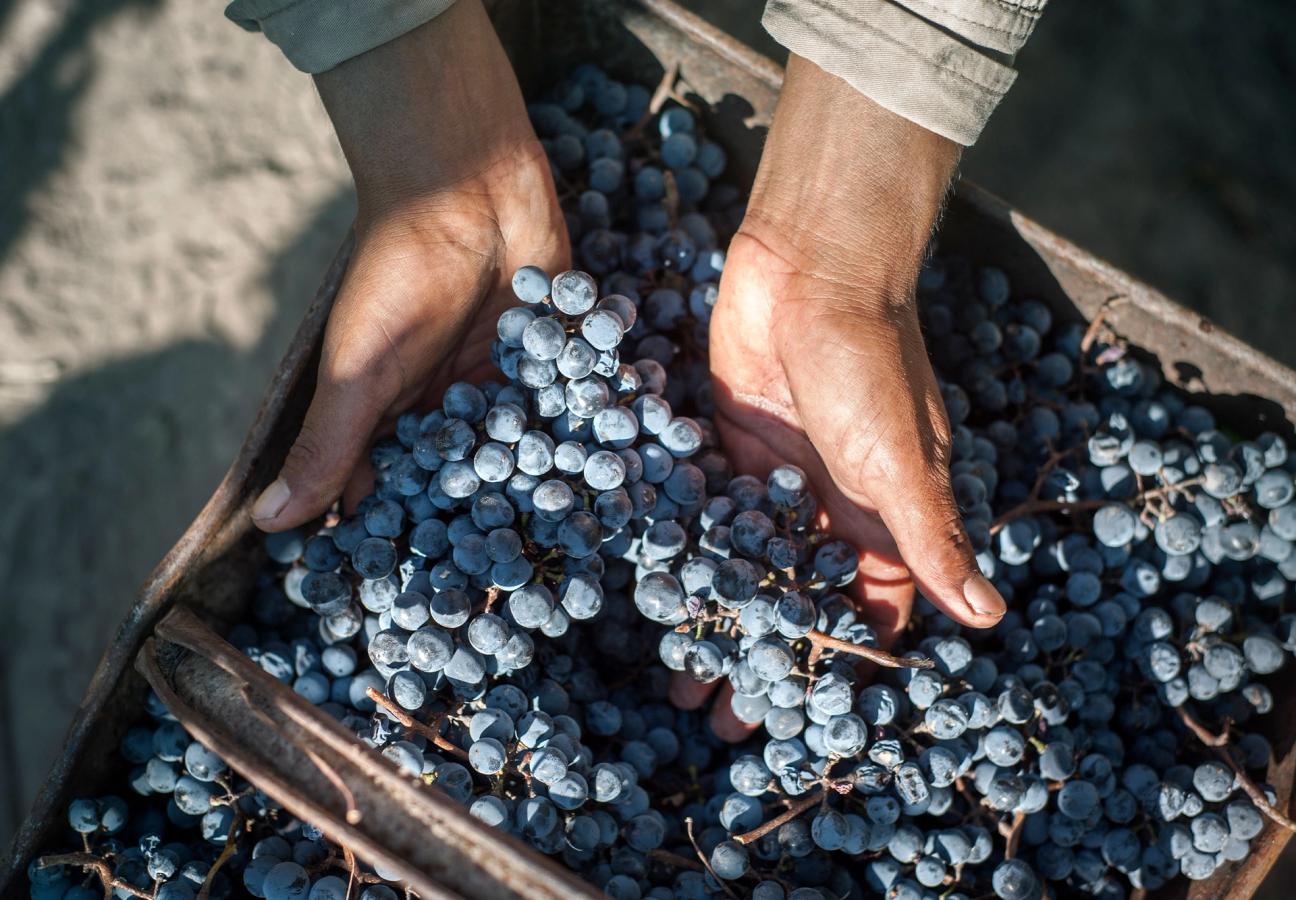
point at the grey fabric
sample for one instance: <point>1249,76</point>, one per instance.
<point>931,61</point>
<point>1002,25</point>
<point>317,35</point>
<point>939,63</point>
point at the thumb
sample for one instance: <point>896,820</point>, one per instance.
<point>358,381</point>
<point>919,510</point>
<point>882,432</point>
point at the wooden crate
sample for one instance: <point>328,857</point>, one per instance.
<point>206,579</point>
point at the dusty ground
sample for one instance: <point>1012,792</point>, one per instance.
<point>170,192</point>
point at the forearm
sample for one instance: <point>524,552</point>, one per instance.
<point>427,111</point>
<point>844,183</point>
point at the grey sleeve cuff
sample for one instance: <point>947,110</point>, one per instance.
<point>317,35</point>
<point>920,59</point>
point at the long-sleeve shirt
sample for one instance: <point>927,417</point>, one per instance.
<point>943,64</point>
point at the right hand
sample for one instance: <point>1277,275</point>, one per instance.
<point>455,194</point>
<point>817,356</point>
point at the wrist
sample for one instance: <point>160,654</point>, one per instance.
<point>433,110</point>
<point>847,191</point>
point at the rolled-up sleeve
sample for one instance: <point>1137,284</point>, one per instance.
<point>944,64</point>
<point>317,35</point>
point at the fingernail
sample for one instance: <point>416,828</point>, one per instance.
<point>981,595</point>
<point>272,500</point>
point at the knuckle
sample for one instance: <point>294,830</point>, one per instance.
<point>954,536</point>
<point>941,447</point>
<point>366,355</point>
<point>309,450</point>
<point>862,458</point>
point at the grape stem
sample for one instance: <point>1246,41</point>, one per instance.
<point>1200,730</point>
<point>432,734</point>
<point>352,811</point>
<point>1249,787</point>
<point>346,863</point>
<point>1012,832</point>
<point>353,871</point>
<point>488,602</point>
<point>100,867</point>
<point>688,826</point>
<point>674,859</point>
<point>788,815</point>
<point>1033,504</point>
<point>975,805</point>
<point>230,848</point>
<point>1100,321</point>
<point>1030,507</point>
<point>664,91</point>
<point>821,642</point>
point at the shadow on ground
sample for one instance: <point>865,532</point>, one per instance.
<point>111,473</point>
<point>39,105</point>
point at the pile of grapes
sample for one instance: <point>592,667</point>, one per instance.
<point>502,616</point>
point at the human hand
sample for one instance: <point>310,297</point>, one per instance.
<point>818,359</point>
<point>455,194</point>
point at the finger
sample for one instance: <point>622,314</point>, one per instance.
<point>358,380</point>
<point>724,723</point>
<point>919,509</point>
<point>885,588</point>
<point>358,486</point>
<point>897,457</point>
<point>685,693</point>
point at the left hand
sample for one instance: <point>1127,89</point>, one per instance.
<point>454,195</point>
<point>818,358</point>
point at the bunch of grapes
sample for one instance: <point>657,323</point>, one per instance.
<point>501,616</point>
<point>222,835</point>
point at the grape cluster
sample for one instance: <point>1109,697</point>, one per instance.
<point>501,616</point>
<point>1146,555</point>
<point>184,791</point>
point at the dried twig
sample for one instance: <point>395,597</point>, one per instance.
<point>788,815</point>
<point>352,811</point>
<point>1099,321</point>
<point>1012,832</point>
<point>1249,787</point>
<point>1253,791</point>
<point>1030,507</point>
<point>487,603</point>
<point>1200,730</point>
<point>231,846</point>
<point>975,804</point>
<point>100,867</point>
<point>688,826</point>
<point>665,88</point>
<point>820,642</point>
<point>414,724</point>
<point>674,859</point>
<point>352,871</point>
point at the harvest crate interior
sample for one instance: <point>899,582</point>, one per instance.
<point>212,568</point>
